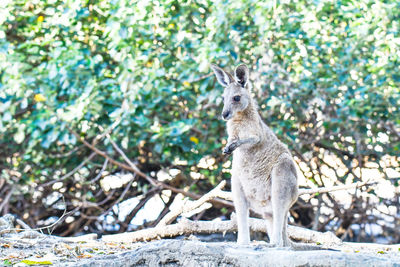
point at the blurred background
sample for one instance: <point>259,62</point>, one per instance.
<point>86,85</point>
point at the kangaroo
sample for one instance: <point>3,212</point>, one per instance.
<point>264,176</point>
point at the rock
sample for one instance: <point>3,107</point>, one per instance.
<point>197,253</point>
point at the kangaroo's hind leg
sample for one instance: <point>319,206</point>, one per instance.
<point>242,212</point>
<point>283,194</point>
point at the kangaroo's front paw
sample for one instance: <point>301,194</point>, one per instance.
<point>229,148</point>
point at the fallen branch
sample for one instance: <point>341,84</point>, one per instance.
<point>171,216</point>
<point>186,227</point>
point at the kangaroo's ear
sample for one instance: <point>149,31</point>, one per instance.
<point>223,77</point>
<point>242,74</point>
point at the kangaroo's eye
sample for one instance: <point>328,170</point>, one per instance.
<point>223,99</point>
<point>236,98</point>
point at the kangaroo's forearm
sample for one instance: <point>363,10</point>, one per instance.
<point>253,140</point>
<point>235,143</point>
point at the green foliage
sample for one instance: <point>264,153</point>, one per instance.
<point>7,263</point>
<point>86,60</point>
<point>325,74</point>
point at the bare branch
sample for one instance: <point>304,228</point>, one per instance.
<point>130,163</point>
<point>77,168</point>
<point>334,188</point>
<point>202,77</point>
<point>67,154</point>
<point>170,217</point>
<point>7,198</point>
<point>98,176</point>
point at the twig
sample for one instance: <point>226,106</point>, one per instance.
<point>202,77</point>
<point>7,198</point>
<point>88,204</point>
<point>28,234</point>
<point>71,172</point>
<point>64,155</point>
<point>109,129</point>
<point>171,216</point>
<point>98,176</point>
<point>147,196</point>
<point>23,224</point>
<point>130,163</point>
<point>334,188</point>
<point>9,230</point>
<point>126,189</point>
<point>164,211</point>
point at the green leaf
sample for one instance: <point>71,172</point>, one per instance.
<point>7,263</point>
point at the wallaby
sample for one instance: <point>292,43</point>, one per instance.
<point>264,176</point>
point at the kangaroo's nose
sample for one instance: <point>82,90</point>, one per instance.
<point>226,114</point>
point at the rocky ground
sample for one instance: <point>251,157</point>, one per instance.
<point>193,252</point>
<point>215,247</point>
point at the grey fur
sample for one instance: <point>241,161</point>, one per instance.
<point>264,176</point>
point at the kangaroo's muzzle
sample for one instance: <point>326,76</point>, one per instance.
<point>226,115</point>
